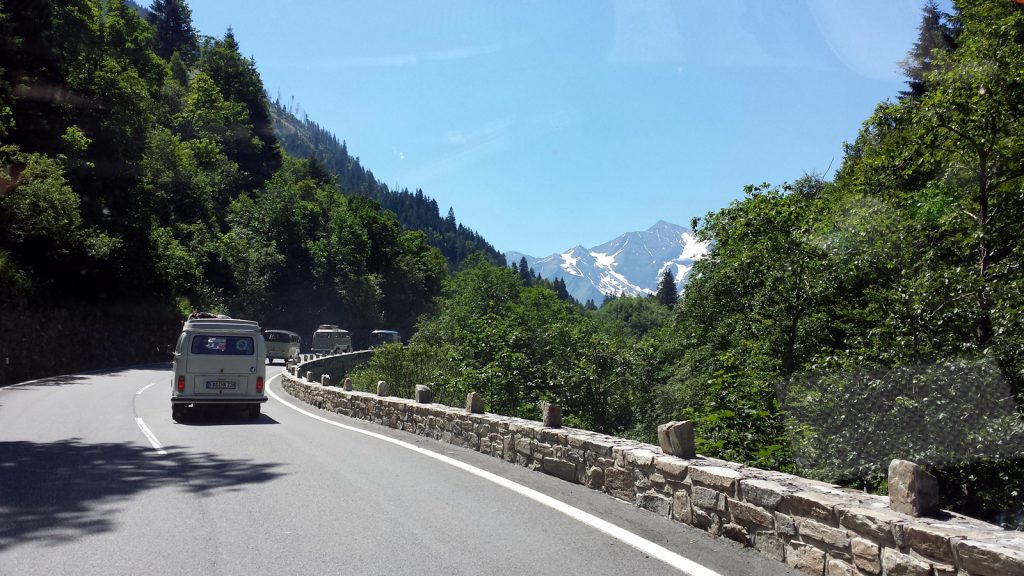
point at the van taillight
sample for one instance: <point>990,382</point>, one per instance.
<point>259,383</point>
<point>181,383</point>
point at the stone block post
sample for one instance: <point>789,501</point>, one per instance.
<point>676,438</point>
<point>325,379</point>
<point>382,388</point>
<point>551,414</point>
<point>346,385</point>
<point>912,490</point>
<point>309,375</point>
<point>424,395</point>
<point>474,403</point>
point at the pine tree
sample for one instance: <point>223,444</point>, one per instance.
<point>172,21</point>
<point>667,294</point>
<point>239,81</point>
<point>524,272</point>
<point>561,290</point>
<point>934,35</point>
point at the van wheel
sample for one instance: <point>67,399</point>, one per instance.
<point>177,413</point>
<point>254,411</point>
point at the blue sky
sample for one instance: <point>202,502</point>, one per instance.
<point>551,123</point>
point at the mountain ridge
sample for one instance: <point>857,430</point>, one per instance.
<point>304,138</point>
<point>631,264</point>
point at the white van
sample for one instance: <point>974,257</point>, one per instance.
<point>282,344</point>
<point>329,339</point>
<point>219,361</point>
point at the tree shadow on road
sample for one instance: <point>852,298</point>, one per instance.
<point>60,491</point>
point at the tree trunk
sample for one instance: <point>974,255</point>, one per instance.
<point>983,323</point>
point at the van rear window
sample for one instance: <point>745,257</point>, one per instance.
<point>223,345</point>
<point>277,337</point>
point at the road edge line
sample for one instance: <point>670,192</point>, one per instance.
<point>142,425</point>
<point>640,543</point>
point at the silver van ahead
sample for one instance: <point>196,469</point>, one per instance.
<point>329,339</point>
<point>382,337</point>
<point>219,361</point>
<point>282,344</point>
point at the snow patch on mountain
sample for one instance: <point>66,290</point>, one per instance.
<point>631,264</point>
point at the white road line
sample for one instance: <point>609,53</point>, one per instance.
<point>667,556</point>
<point>149,435</point>
<point>145,429</point>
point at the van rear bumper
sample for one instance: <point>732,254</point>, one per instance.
<point>217,400</point>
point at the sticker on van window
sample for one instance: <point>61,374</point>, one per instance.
<point>223,345</point>
<point>252,369</point>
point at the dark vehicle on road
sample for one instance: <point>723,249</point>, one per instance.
<point>381,337</point>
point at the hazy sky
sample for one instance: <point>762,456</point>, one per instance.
<point>551,123</point>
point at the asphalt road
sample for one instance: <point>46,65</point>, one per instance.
<point>95,478</point>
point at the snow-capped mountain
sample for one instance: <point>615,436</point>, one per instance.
<point>630,264</point>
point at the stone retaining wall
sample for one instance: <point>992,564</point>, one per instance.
<point>336,367</point>
<point>43,342</point>
<point>818,528</point>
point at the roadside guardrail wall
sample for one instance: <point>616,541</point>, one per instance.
<point>818,528</point>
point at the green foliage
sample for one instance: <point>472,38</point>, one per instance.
<point>667,294</point>
<point>835,326</point>
<point>41,228</point>
<point>258,155</point>
<point>631,316</point>
<point>173,33</point>
<point>140,166</point>
<point>955,416</point>
<point>177,271</point>
<point>518,345</point>
<point>849,425</point>
<point>405,367</point>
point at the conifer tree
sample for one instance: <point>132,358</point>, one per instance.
<point>239,81</point>
<point>561,290</point>
<point>525,273</point>
<point>172,21</point>
<point>667,294</point>
<point>934,35</point>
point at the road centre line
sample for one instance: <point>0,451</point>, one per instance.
<point>677,561</point>
<point>142,425</point>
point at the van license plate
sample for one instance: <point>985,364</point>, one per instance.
<point>220,385</point>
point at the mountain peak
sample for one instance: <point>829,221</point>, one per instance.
<point>630,264</point>
<point>660,224</point>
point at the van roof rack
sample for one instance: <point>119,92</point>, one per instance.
<point>222,324</point>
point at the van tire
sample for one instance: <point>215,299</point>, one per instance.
<point>177,413</point>
<point>254,411</point>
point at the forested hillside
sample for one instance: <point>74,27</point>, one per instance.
<point>140,170</point>
<point>306,139</point>
<point>834,325</point>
